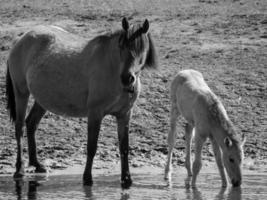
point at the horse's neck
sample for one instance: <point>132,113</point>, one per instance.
<point>221,131</point>
<point>105,46</point>
<point>221,124</point>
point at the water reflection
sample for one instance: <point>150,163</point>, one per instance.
<point>221,195</point>
<point>125,196</point>
<point>18,189</point>
<point>224,194</point>
<point>32,189</point>
<point>144,187</point>
<point>235,194</point>
<point>29,189</point>
<point>88,192</point>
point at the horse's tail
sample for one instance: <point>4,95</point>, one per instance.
<point>11,104</point>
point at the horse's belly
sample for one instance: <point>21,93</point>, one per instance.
<point>61,105</point>
<point>63,97</point>
<point>66,109</point>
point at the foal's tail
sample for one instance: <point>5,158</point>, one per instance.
<point>11,104</point>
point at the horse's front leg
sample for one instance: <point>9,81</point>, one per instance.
<point>94,122</point>
<point>123,135</point>
<point>218,158</point>
<point>188,139</point>
<point>199,141</point>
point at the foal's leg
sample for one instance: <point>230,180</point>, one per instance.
<point>171,140</point>
<point>218,158</point>
<point>199,141</point>
<point>21,105</point>
<point>188,139</point>
<point>32,121</point>
<point>123,135</point>
<point>94,123</point>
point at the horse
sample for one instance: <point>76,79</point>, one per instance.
<point>73,76</point>
<point>206,117</point>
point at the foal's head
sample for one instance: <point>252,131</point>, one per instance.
<point>136,52</point>
<point>230,144</point>
<point>232,159</point>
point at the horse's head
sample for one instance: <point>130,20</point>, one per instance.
<point>136,52</point>
<point>232,159</point>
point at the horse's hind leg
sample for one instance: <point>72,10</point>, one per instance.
<point>32,121</point>
<point>21,106</point>
<point>171,140</point>
<point>94,123</point>
<point>218,158</point>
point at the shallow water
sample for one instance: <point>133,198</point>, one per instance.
<point>148,185</point>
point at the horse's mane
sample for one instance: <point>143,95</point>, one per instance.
<point>106,36</point>
<point>137,43</point>
<point>219,116</point>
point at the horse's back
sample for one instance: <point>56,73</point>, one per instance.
<point>44,62</point>
<point>190,93</point>
<point>41,38</point>
<point>54,34</point>
<point>189,84</point>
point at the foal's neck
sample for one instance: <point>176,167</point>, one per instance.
<point>223,130</point>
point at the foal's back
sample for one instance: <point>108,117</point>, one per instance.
<point>191,96</point>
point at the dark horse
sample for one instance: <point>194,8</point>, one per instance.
<point>71,76</point>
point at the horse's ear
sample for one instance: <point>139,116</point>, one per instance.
<point>244,139</point>
<point>125,24</point>
<point>228,142</point>
<point>145,26</point>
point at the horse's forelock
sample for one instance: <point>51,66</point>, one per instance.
<point>137,40</point>
<point>136,33</point>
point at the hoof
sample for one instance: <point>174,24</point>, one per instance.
<point>187,181</point>
<point>168,173</point>
<point>193,186</point>
<point>40,169</point>
<point>224,185</point>
<point>88,182</point>
<point>167,176</point>
<point>18,174</point>
<point>125,184</point>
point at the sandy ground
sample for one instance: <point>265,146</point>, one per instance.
<point>225,40</point>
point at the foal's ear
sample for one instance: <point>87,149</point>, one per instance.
<point>125,24</point>
<point>145,26</point>
<point>228,142</point>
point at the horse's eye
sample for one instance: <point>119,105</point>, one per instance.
<point>231,160</point>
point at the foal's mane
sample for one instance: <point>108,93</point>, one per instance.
<point>217,114</point>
